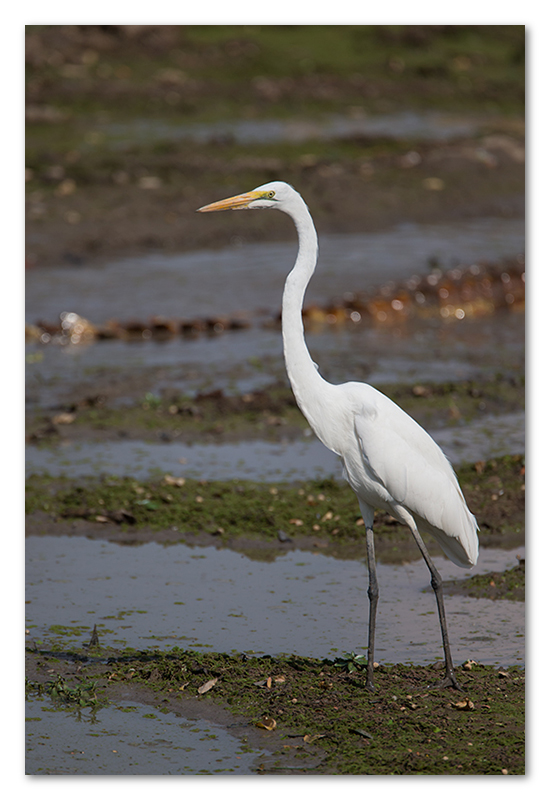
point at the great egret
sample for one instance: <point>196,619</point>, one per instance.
<point>390,462</point>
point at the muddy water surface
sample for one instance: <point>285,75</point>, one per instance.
<point>257,460</point>
<point>170,285</point>
<point>129,739</point>
<point>249,280</point>
<point>303,602</point>
<point>215,599</point>
<point>247,360</point>
<point>415,125</point>
<point>251,276</point>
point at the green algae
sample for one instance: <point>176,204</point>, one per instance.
<point>269,413</point>
<point>405,727</point>
<point>232,511</point>
<point>313,68</point>
<point>249,73</point>
<point>81,693</point>
<point>507,585</point>
<point>227,509</point>
<point>189,418</point>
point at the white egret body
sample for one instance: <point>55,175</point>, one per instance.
<point>389,460</point>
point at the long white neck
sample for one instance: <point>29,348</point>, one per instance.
<point>308,386</point>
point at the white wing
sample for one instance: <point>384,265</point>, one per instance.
<point>417,474</point>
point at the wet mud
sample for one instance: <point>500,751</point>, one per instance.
<point>315,716</point>
<point>111,171</point>
<point>413,167</point>
<point>509,584</point>
<point>255,518</point>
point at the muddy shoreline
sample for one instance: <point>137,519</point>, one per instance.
<point>95,194</point>
<point>113,172</point>
<point>113,222</point>
<point>313,716</point>
<point>263,520</point>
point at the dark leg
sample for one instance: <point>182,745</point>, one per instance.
<point>372,593</point>
<point>450,679</point>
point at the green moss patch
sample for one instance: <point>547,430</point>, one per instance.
<point>214,71</point>
<point>262,519</point>
<point>509,585</point>
<point>106,106</point>
<point>312,706</point>
<point>268,413</point>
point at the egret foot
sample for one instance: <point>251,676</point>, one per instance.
<point>449,681</point>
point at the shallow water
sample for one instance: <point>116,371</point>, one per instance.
<point>256,460</point>
<point>248,360</point>
<point>129,739</point>
<point>305,603</point>
<point>413,125</point>
<point>303,459</point>
<point>251,276</point>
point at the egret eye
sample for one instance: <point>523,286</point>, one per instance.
<point>271,194</point>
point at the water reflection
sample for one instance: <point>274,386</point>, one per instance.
<point>248,360</point>
<point>303,459</point>
<point>417,125</point>
<point>129,739</point>
<point>304,603</point>
<point>252,275</point>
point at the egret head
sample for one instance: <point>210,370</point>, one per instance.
<point>276,194</point>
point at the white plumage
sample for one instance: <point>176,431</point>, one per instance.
<point>389,460</point>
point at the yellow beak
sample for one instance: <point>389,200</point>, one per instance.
<point>239,201</point>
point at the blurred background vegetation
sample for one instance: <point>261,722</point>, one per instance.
<point>112,169</point>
